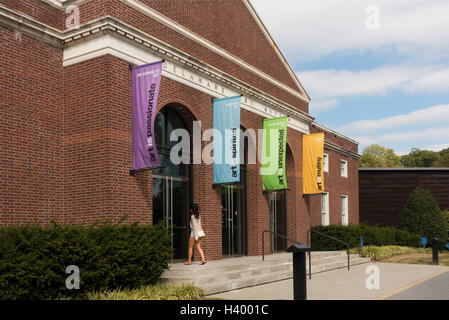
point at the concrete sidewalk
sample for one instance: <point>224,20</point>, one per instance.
<point>436,288</point>
<point>342,284</point>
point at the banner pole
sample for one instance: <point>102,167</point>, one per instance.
<point>132,172</point>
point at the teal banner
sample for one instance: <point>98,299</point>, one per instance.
<point>226,144</point>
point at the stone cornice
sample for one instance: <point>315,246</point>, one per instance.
<point>340,150</point>
<point>321,127</point>
<point>24,24</point>
<point>62,4</point>
<point>111,26</point>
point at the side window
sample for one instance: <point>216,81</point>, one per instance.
<point>326,162</point>
<point>344,168</point>
<point>344,210</point>
<point>325,209</point>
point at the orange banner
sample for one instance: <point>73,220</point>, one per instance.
<point>313,177</point>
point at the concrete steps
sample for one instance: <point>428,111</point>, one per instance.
<point>236,273</point>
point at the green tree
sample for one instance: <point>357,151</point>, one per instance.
<point>444,158</point>
<point>422,215</point>
<point>445,214</point>
<point>418,158</point>
<point>376,156</point>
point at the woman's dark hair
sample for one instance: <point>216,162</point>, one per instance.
<point>195,209</point>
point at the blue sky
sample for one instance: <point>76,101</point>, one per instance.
<point>376,71</point>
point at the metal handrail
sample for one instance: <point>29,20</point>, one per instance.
<point>277,234</point>
<point>309,236</point>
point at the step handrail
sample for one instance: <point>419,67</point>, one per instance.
<point>277,234</point>
<point>309,236</point>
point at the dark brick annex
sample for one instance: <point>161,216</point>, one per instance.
<point>384,191</point>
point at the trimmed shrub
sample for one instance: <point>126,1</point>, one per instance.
<point>372,236</point>
<point>422,215</point>
<point>33,260</point>
<point>445,214</point>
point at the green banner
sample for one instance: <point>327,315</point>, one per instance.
<point>274,147</point>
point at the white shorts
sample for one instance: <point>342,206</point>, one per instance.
<point>192,234</point>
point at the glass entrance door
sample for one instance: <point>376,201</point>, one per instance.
<point>278,220</point>
<point>233,218</point>
<point>171,206</point>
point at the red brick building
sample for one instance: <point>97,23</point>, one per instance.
<point>66,120</point>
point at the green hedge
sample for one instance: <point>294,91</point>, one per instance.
<point>33,260</point>
<point>372,235</point>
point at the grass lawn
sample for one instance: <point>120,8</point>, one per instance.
<point>155,292</point>
<point>398,254</point>
<point>418,258</point>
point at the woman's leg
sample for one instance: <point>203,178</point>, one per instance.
<point>189,257</point>
<point>200,251</point>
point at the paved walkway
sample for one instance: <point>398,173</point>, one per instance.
<point>436,288</point>
<point>342,284</point>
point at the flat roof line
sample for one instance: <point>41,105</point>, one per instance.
<point>405,169</point>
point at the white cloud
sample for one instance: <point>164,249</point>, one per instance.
<point>403,132</point>
<point>436,147</point>
<point>324,104</point>
<point>433,81</point>
<point>309,30</point>
<point>411,137</point>
<point>411,79</point>
<point>426,117</point>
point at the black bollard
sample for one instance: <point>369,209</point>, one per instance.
<point>299,271</point>
<point>435,251</point>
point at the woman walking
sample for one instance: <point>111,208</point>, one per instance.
<point>196,234</point>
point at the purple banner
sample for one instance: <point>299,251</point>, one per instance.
<point>145,86</point>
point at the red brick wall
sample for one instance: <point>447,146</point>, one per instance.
<point>97,145</point>
<point>229,25</point>
<point>337,186</point>
<point>31,170</point>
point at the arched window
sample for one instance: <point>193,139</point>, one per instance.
<point>172,183</point>
<point>168,120</point>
